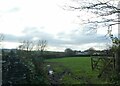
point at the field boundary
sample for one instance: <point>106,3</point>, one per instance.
<point>102,64</point>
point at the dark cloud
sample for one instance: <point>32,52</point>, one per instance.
<point>11,38</point>
<point>29,34</point>
<point>61,40</point>
<point>14,9</point>
<point>81,38</point>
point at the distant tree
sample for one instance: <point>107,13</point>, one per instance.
<point>69,52</point>
<point>25,48</point>
<point>91,51</point>
<point>41,45</point>
<point>26,45</point>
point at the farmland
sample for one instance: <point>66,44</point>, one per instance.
<point>73,70</point>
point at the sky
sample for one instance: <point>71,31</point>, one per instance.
<point>47,20</point>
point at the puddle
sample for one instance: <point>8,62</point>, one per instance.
<point>50,72</point>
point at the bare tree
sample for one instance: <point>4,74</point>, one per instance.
<point>26,45</point>
<point>25,54</point>
<point>24,50</point>
<point>41,45</point>
<point>106,12</point>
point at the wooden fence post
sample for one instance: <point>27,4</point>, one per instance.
<point>92,62</point>
<point>117,60</point>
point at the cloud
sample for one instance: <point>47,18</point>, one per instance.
<point>29,34</point>
<point>15,9</point>
<point>42,19</point>
<point>74,39</point>
<point>11,38</point>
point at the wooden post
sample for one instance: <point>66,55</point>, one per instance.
<point>113,63</point>
<point>92,63</point>
<point>117,60</point>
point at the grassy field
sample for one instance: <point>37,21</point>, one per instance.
<point>74,70</point>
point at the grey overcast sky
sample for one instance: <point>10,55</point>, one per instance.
<point>45,19</point>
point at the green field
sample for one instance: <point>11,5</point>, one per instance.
<point>74,70</point>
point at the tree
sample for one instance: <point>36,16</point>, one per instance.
<point>40,48</point>
<point>91,51</point>
<point>105,12</point>
<point>26,45</point>
<point>25,48</point>
<point>69,52</point>
<point>41,45</point>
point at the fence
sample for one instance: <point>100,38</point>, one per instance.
<point>102,64</point>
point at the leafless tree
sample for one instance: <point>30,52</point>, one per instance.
<point>26,45</point>
<point>41,45</point>
<point>106,12</point>
<point>24,49</point>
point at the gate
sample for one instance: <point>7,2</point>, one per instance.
<point>103,64</point>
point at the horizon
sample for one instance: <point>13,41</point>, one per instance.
<point>56,51</point>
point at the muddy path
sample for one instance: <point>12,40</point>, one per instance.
<point>56,77</point>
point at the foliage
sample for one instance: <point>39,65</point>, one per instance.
<point>34,62</point>
<point>115,79</point>
<point>91,51</point>
<point>34,59</point>
<point>69,52</point>
<point>13,70</point>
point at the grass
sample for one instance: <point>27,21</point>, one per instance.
<point>79,68</point>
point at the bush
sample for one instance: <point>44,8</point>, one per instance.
<point>19,70</point>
